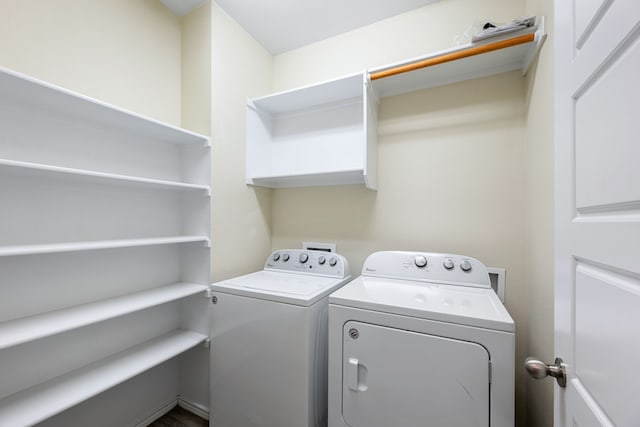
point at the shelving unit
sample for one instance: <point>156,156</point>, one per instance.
<point>326,134</point>
<point>315,135</point>
<point>54,396</point>
<point>104,247</point>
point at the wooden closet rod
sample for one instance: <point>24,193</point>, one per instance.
<point>453,56</point>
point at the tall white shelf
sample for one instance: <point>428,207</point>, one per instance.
<point>104,232</point>
<point>326,133</point>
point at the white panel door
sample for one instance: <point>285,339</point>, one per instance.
<point>597,303</point>
<point>393,377</point>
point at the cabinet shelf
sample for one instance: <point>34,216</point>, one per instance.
<point>97,245</point>
<point>323,134</point>
<point>46,171</point>
<point>304,180</point>
<point>515,51</point>
<point>42,401</point>
<point>31,328</point>
<point>19,89</point>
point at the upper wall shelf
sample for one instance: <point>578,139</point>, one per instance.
<point>326,134</point>
<point>515,51</point>
<point>323,134</point>
<point>18,89</point>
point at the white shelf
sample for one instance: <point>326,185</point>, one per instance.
<point>46,171</point>
<point>319,95</point>
<point>40,402</point>
<point>306,180</point>
<point>323,134</point>
<point>83,181</point>
<point>462,62</point>
<point>97,245</point>
<point>31,328</point>
<point>29,92</point>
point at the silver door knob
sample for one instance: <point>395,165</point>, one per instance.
<point>538,369</point>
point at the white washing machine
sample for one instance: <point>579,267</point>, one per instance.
<point>420,339</point>
<point>269,342</point>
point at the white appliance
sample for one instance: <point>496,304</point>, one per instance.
<point>420,339</point>
<point>269,341</point>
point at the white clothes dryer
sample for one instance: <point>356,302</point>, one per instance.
<point>269,341</point>
<point>420,339</point>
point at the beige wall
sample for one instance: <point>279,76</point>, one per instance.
<point>241,214</point>
<point>120,51</point>
<point>196,116</point>
<point>451,159</point>
<point>427,29</point>
<point>539,219</point>
<point>196,70</point>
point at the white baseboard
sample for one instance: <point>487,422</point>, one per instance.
<point>158,413</point>
<point>194,407</point>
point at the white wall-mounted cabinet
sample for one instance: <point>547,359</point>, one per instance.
<point>324,134</point>
<point>104,251</point>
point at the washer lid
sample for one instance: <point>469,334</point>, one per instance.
<point>291,288</point>
<point>477,307</point>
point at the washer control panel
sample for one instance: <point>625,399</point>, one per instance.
<point>427,267</point>
<point>308,262</point>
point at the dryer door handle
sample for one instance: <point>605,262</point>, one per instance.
<point>356,375</point>
<point>352,374</point>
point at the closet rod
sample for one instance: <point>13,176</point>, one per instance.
<point>453,56</point>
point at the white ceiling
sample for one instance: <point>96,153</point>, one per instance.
<point>182,7</point>
<point>282,25</point>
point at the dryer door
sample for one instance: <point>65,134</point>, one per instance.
<point>393,377</point>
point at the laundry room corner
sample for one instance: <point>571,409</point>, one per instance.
<point>241,218</point>
<point>451,159</point>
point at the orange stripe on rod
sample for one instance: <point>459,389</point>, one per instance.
<point>453,56</point>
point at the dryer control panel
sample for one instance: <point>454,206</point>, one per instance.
<point>305,261</point>
<point>447,269</point>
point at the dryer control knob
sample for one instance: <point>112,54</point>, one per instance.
<point>303,258</point>
<point>465,265</point>
<point>448,264</point>
<point>333,262</point>
<point>275,257</point>
<point>285,257</point>
<point>420,261</point>
<point>321,260</point>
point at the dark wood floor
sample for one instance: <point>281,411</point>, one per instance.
<point>179,417</point>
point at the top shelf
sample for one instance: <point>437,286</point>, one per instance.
<point>515,51</point>
<point>19,89</point>
<point>318,95</point>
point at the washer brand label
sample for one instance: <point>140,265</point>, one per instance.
<point>370,270</point>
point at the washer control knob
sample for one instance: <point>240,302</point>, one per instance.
<point>303,258</point>
<point>321,260</point>
<point>420,261</point>
<point>448,263</point>
<point>275,257</point>
<point>333,262</point>
<point>465,265</point>
<point>285,257</point>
